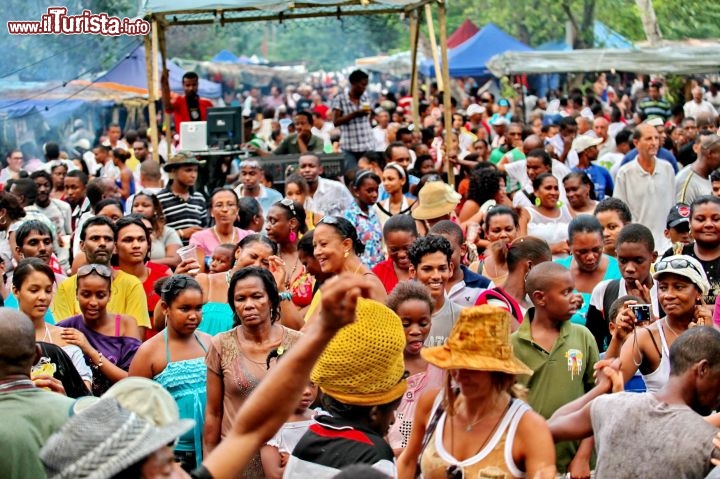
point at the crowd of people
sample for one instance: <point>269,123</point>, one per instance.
<point>550,310</point>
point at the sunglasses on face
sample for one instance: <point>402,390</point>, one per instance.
<point>100,269</point>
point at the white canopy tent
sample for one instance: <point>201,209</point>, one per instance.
<point>676,59</point>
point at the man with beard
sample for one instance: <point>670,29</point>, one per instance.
<point>97,241</point>
<point>188,107</point>
<point>327,197</point>
<point>661,434</point>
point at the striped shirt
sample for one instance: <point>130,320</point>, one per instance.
<point>181,213</point>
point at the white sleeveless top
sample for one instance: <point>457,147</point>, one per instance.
<point>658,378</point>
<point>552,230</point>
<point>507,428</point>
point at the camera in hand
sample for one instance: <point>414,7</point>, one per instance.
<point>641,311</point>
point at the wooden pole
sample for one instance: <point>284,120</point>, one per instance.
<point>433,43</point>
<point>447,106</point>
<point>151,80</point>
<point>166,117</point>
<point>414,85</point>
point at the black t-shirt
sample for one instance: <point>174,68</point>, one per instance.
<point>193,105</point>
<point>712,270</point>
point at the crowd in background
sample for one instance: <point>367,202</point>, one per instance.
<point>475,301</point>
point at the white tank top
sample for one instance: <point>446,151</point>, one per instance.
<point>658,378</point>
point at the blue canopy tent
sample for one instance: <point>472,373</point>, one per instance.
<point>224,56</point>
<point>468,59</point>
<point>131,71</point>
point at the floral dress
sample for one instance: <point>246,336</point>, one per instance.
<point>369,232</point>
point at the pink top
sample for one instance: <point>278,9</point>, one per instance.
<point>417,384</point>
<point>207,240</point>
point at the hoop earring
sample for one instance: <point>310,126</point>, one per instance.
<point>537,202</point>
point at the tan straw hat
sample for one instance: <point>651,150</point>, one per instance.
<point>436,199</point>
<point>480,340</point>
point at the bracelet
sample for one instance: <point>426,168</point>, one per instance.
<point>286,296</point>
<point>100,360</point>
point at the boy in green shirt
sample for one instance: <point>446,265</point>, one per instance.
<point>560,353</point>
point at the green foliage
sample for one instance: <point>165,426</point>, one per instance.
<point>322,43</point>
<point>537,21</point>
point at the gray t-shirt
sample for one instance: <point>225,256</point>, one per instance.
<point>169,237</point>
<point>638,436</point>
<point>442,322</point>
<point>689,186</point>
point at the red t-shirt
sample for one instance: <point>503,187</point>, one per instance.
<point>386,272</point>
<point>181,112</point>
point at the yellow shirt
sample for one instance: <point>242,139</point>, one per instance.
<point>132,163</point>
<point>127,296</point>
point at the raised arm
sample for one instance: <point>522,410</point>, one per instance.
<point>269,406</point>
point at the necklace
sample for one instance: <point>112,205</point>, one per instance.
<point>469,427</point>
<point>670,327</point>
<point>220,238</point>
<point>289,277</point>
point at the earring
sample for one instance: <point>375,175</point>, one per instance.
<point>166,320</point>
<point>559,204</point>
<point>293,236</point>
<point>347,253</point>
<point>537,202</point>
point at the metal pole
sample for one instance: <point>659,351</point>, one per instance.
<point>151,80</point>
<point>447,106</point>
<point>433,43</point>
<point>414,87</point>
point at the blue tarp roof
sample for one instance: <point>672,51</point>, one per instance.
<point>131,71</point>
<point>224,56</point>
<point>468,59</point>
<point>57,110</point>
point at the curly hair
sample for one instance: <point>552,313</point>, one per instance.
<point>484,185</point>
<point>428,245</point>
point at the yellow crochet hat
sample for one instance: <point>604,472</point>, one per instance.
<point>363,365</point>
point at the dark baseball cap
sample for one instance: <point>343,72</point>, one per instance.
<point>679,214</point>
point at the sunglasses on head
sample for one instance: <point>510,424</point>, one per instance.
<point>329,220</point>
<point>100,269</point>
<point>289,204</point>
<point>678,263</point>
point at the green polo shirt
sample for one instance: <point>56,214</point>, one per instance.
<point>289,146</point>
<point>561,375</point>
